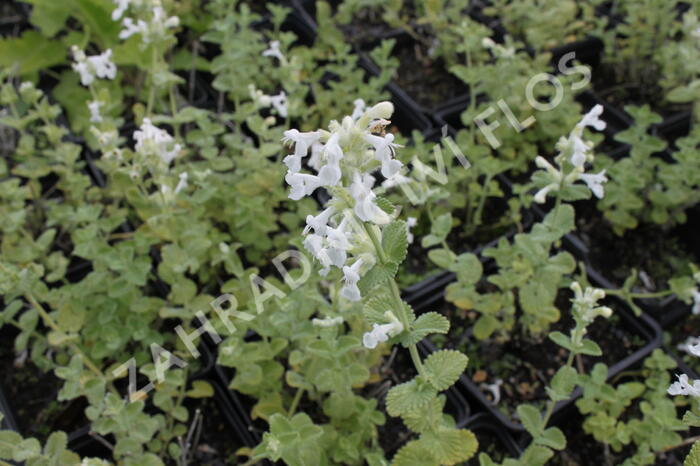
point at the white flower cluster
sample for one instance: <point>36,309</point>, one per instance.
<point>580,153</point>
<point>344,158</point>
<point>157,26</point>
<point>683,386</point>
<point>100,66</point>
<point>346,173</point>
<point>151,140</point>
<point>586,303</point>
<point>279,101</point>
<point>275,52</point>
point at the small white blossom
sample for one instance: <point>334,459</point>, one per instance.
<point>693,342</point>
<point>319,223</point>
<point>383,152</point>
<point>151,140</point>
<point>280,103</point>
<point>96,65</point>
<point>122,5</point>
<point>365,207</point>
<point>182,184</point>
<point>131,28</point>
<point>410,223</point>
<point>696,301</point>
<point>381,333</point>
<point>302,184</point>
<point>274,51</point>
<point>94,107</point>
<point>592,118</point>
<point>595,183</point>
<point>359,109</point>
<point>351,275</point>
<point>683,387</point>
<point>301,142</point>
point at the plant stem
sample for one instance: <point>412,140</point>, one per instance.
<point>685,442</point>
<point>295,402</point>
<point>50,322</point>
<point>395,296</point>
<point>151,87</point>
<point>551,403</point>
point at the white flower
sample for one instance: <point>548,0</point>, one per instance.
<point>315,160</point>
<point>302,184</point>
<point>154,29</point>
<point>592,118</point>
<point>131,28</point>
<point>122,5</point>
<point>365,207</point>
<point>301,142</point>
<point>410,223</point>
<point>383,152</point>
<point>541,195</point>
<point>274,51</point>
<point>579,152</point>
<point>151,140</point>
<point>595,182</point>
<point>683,387</point>
<point>94,107</point>
<point>280,103</point>
<point>319,223</point>
<point>96,65</point>
<point>351,275</point>
<point>696,301</point>
<point>381,333</point>
<point>338,237</point>
<point>182,184</point>
<point>358,110</point>
<point>691,346</point>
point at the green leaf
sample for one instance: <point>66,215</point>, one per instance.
<point>8,440</point>
<point>200,389</point>
<point>424,325</point>
<point>590,348</point>
<point>468,269</point>
<point>378,274</point>
<point>408,397</point>
<point>485,326</point>
<point>452,446</point>
<point>561,340</point>
<point>553,438</point>
<point>562,383</point>
<point>442,258</point>
<point>531,419</point>
<point>31,52</point>
<point>27,449</point>
<point>693,458</point>
<point>414,453</point>
<point>444,367</point>
<point>394,241</point>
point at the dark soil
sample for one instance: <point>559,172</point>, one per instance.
<point>217,444</point>
<point>32,394</point>
<point>661,252</point>
<point>619,92</point>
<point>526,364</point>
<point>423,78</point>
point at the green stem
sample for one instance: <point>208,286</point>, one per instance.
<point>482,202</point>
<point>623,293</point>
<point>395,296</point>
<point>295,402</point>
<point>151,85</point>
<point>50,322</point>
<point>551,403</point>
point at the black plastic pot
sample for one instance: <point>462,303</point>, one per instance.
<point>8,421</point>
<point>674,127</point>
